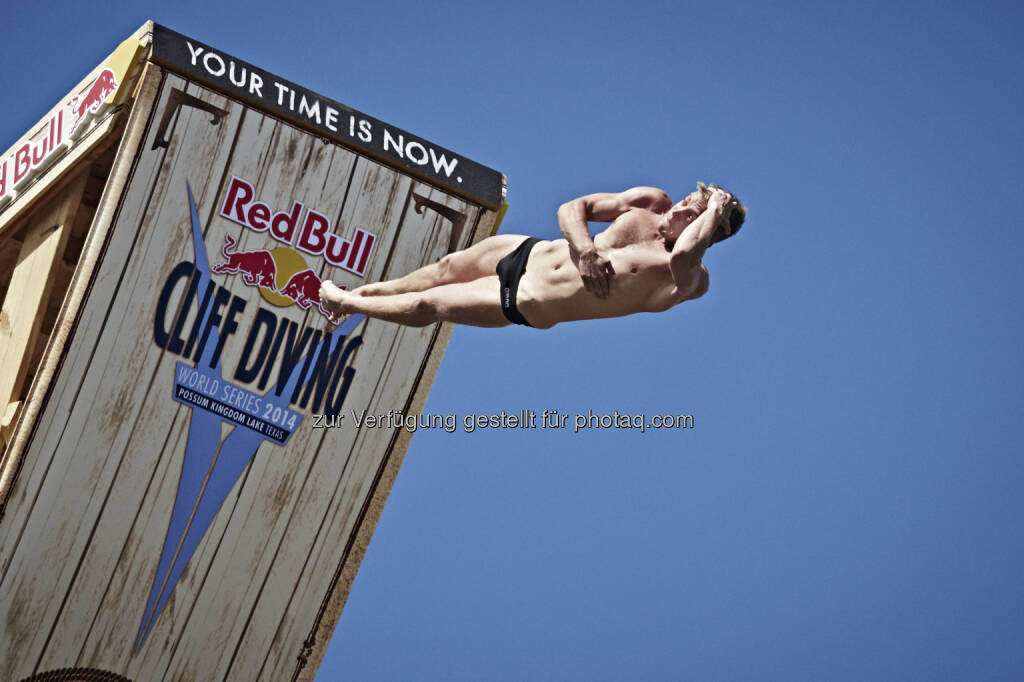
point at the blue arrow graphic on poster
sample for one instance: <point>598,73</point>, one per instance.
<point>211,467</point>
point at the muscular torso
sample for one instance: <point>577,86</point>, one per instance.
<point>551,290</point>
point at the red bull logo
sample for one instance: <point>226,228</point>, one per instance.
<point>305,229</point>
<point>281,273</point>
<point>267,269</point>
<point>257,267</point>
<point>23,162</point>
<point>34,155</point>
<point>103,87</point>
<point>304,289</point>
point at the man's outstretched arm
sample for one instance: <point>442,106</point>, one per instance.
<point>573,216</point>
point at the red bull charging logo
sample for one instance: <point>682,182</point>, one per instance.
<point>267,269</point>
<point>90,103</point>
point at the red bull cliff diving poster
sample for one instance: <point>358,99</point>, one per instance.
<point>196,509</point>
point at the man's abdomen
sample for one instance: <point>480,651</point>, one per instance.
<point>551,290</point>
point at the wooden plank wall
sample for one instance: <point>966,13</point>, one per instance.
<point>39,261</point>
<point>89,512</point>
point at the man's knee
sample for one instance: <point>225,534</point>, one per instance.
<point>446,267</point>
<point>423,310</point>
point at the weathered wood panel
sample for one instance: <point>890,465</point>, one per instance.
<point>91,514</point>
<point>63,519</point>
<point>46,235</point>
<point>77,356</point>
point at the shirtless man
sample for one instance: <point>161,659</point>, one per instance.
<point>647,260</point>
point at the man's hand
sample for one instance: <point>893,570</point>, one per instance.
<point>722,203</point>
<point>718,197</point>
<point>597,273</point>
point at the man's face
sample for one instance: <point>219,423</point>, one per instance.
<point>693,205</point>
<point>682,214</point>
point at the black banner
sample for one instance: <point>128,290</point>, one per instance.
<point>328,118</point>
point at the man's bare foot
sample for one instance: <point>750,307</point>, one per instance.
<point>334,300</point>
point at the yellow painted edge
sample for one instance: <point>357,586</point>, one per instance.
<point>503,208</point>
<point>121,62</point>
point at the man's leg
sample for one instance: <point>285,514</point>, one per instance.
<point>476,303</point>
<point>479,260</point>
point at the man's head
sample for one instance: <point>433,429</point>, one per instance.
<point>695,203</point>
<point>736,214</point>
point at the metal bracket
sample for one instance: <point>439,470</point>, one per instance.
<point>457,218</point>
<point>177,99</point>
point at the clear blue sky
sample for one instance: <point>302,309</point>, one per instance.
<point>848,505</point>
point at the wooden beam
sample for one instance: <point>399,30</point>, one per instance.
<point>46,235</point>
<point>7,422</point>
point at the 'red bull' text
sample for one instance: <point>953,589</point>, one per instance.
<point>305,229</point>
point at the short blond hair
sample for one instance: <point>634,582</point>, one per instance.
<point>705,194</point>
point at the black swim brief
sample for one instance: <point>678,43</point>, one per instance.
<point>510,271</point>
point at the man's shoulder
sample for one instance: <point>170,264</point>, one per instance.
<point>649,198</point>
<point>636,225</point>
